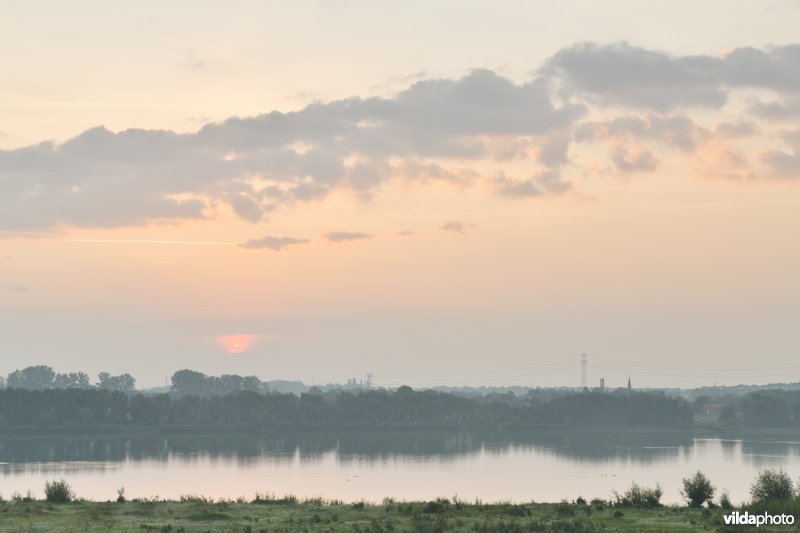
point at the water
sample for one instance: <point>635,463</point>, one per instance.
<point>491,466</point>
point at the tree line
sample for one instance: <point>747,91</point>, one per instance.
<point>222,399</point>
<point>41,377</point>
<point>184,382</point>
<point>370,408</point>
<point>765,408</point>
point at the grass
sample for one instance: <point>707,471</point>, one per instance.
<point>199,514</point>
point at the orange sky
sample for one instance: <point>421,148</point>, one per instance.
<point>451,224</point>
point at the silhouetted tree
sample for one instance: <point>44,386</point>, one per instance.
<point>189,383</point>
<point>122,383</point>
<point>772,485</point>
<point>762,409</point>
<point>32,377</point>
<point>697,490</point>
<point>71,380</point>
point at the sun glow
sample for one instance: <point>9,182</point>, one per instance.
<point>236,343</point>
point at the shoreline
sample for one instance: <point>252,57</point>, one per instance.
<point>196,513</point>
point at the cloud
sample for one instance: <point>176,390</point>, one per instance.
<point>344,236</point>
<point>639,160</point>
<point>455,226</point>
<point>777,111</point>
<point>629,76</point>
<point>553,151</point>
<point>102,178</point>
<point>785,164</point>
<point>456,131</point>
<point>675,131</point>
<point>626,75</point>
<point>17,288</point>
<point>734,130</point>
<point>277,244</point>
<point>405,233</point>
<point>542,183</point>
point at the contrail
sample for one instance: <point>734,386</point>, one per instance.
<point>144,241</point>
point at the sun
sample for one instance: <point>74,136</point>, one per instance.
<point>236,344</point>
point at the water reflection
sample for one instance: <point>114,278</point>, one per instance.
<point>88,452</point>
<point>542,465</point>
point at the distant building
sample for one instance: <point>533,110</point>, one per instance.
<point>629,383</point>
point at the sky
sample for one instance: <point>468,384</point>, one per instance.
<point>435,193</point>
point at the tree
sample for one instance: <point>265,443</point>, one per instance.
<point>71,380</point>
<point>697,490</point>
<point>728,415</point>
<point>772,485</point>
<point>58,491</point>
<point>702,401</point>
<point>189,383</point>
<point>32,377</point>
<point>251,383</point>
<point>762,409</point>
<point>122,383</point>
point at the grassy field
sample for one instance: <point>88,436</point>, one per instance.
<point>198,515</point>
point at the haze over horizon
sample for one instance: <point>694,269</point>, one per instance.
<point>333,188</point>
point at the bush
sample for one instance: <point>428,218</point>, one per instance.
<point>637,496</point>
<point>58,491</point>
<point>772,485</point>
<point>725,501</point>
<point>697,490</point>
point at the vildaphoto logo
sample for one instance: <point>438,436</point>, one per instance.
<point>746,519</point>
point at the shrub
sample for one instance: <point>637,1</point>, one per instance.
<point>194,498</point>
<point>637,496</point>
<point>435,506</point>
<point>772,485</point>
<point>697,490</point>
<point>652,497</point>
<point>725,501</point>
<point>58,491</point>
<point>565,509</point>
<point>269,498</point>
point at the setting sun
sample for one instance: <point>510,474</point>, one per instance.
<point>236,343</point>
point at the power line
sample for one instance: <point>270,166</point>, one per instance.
<point>514,375</point>
<point>504,371</point>
<point>715,370</point>
<point>694,375</point>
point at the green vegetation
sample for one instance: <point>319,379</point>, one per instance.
<point>229,400</point>
<point>43,377</point>
<point>369,408</point>
<point>637,509</point>
<point>286,514</point>
<point>698,490</point>
<point>772,485</point>
<point>770,408</point>
<point>58,491</point>
<point>637,496</point>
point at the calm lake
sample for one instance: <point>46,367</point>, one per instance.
<point>492,466</point>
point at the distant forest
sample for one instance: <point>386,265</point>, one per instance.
<point>38,397</point>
